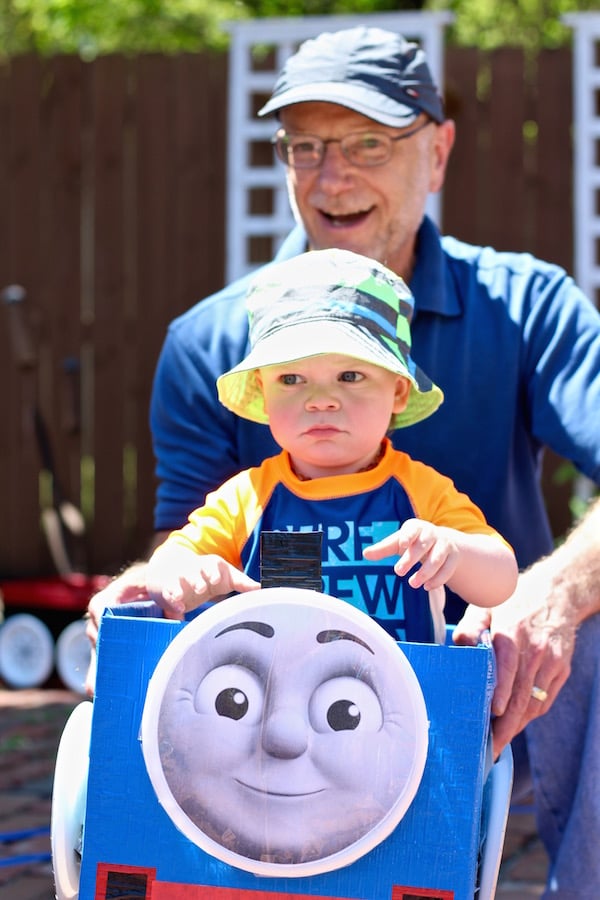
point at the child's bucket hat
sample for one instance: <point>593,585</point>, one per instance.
<point>328,301</point>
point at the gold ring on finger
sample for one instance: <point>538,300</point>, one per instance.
<point>539,693</point>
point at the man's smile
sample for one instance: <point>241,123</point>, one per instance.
<point>343,220</point>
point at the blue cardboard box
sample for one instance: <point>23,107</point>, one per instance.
<point>134,845</point>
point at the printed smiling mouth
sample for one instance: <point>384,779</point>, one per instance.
<point>287,794</point>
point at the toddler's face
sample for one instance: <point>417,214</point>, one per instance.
<point>331,411</point>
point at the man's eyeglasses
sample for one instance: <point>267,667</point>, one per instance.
<point>365,148</point>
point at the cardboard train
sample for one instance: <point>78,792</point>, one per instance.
<point>280,745</point>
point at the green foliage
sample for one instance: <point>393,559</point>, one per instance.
<point>275,8</point>
<point>583,490</point>
<point>532,24</point>
<point>93,27</point>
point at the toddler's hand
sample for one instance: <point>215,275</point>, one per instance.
<point>419,542</point>
<point>179,580</point>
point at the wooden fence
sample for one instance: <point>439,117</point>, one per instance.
<point>112,187</point>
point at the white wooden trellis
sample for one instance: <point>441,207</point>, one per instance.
<point>586,162</point>
<point>247,81</point>
<point>586,167</point>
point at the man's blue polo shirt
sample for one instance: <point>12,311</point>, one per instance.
<point>511,340</point>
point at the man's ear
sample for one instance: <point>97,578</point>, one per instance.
<point>401,394</point>
<point>442,144</point>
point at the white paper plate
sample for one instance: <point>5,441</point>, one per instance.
<point>68,801</point>
<point>300,716</point>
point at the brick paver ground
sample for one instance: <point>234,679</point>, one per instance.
<point>31,723</point>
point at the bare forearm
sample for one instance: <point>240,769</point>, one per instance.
<point>534,633</point>
<point>572,572</point>
<point>487,571</point>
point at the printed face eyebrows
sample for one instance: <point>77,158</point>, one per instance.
<point>260,628</point>
<point>334,634</point>
<point>323,637</point>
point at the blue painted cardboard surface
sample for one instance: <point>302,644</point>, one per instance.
<point>434,846</point>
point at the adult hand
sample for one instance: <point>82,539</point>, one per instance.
<point>533,634</point>
<point>125,588</point>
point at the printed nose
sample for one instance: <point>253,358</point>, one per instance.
<point>284,734</point>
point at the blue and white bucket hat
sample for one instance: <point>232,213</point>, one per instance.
<point>328,301</point>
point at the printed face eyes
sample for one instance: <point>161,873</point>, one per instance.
<point>338,704</point>
<point>232,692</point>
<point>345,704</point>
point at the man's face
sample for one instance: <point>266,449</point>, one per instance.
<point>374,211</point>
<point>286,735</point>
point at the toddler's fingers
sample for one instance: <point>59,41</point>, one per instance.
<point>421,549</point>
<point>385,547</point>
<point>172,605</point>
<point>220,577</point>
<point>430,577</point>
<point>242,582</point>
<point>437,566</point>
<point>396,542</point>
<point>235,579</point>
<point>416,552</point>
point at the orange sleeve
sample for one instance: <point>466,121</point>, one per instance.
<point>436,499</point>
<point>230,514</point>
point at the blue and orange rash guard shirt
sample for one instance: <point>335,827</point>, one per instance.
<point>351,511</point>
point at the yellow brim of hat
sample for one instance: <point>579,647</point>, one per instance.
<point>239,390</point>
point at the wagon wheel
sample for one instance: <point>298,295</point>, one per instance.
<point>73,652</point>
<point>26,651</point>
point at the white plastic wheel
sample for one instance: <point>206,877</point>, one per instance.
<point>73,653</point>
<point>26,651</point>
<point>69,801</point>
